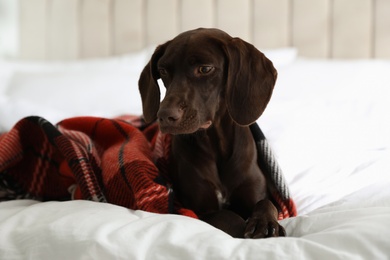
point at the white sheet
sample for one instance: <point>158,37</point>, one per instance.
<point>329,125</point>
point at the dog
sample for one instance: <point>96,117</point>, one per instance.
<point>216,86</point>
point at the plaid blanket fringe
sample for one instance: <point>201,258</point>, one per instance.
<point>121,161</point>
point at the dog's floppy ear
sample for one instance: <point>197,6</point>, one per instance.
<point>250,81</point>
<point>148,86</point>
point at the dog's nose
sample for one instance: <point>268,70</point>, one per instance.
<point>169,116</point>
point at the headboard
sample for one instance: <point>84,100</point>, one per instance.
<point>73,29</point>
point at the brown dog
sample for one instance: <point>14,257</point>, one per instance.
<point>216,86</point>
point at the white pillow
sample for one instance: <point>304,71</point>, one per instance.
<point>56,90</point>
<point>281,57</point>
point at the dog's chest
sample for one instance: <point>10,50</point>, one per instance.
<point>222,199</point>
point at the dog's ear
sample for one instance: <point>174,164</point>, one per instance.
<point>148,86</point>
<point>250,81</point>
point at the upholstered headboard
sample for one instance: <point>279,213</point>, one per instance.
<point>72,29</point>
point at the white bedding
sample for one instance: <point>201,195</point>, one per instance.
<point>328,123</point>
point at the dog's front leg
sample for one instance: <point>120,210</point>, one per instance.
<point>227,221</point>
<point>264,221</point>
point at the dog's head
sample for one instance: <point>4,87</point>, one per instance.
<point>205,72</point>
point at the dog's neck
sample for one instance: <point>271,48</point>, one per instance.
<point>225,132</point>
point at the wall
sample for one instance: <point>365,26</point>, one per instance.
<point>72,29</point>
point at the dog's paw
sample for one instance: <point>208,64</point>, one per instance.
<point>263,228</point>
<point>263,223</point>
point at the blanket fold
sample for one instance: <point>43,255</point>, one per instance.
<point>122,161</point>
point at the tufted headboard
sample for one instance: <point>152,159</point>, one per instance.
<point>73,29</point>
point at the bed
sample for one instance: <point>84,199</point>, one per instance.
<point>327,123</point>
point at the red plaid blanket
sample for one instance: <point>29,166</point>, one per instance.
<point>120,161</point>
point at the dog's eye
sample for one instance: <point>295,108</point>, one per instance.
<point>205,69</point>
<point>163,72</point>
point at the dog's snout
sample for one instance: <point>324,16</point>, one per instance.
<point>169,116</point>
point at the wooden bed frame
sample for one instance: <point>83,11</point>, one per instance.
<point>73,29</point>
